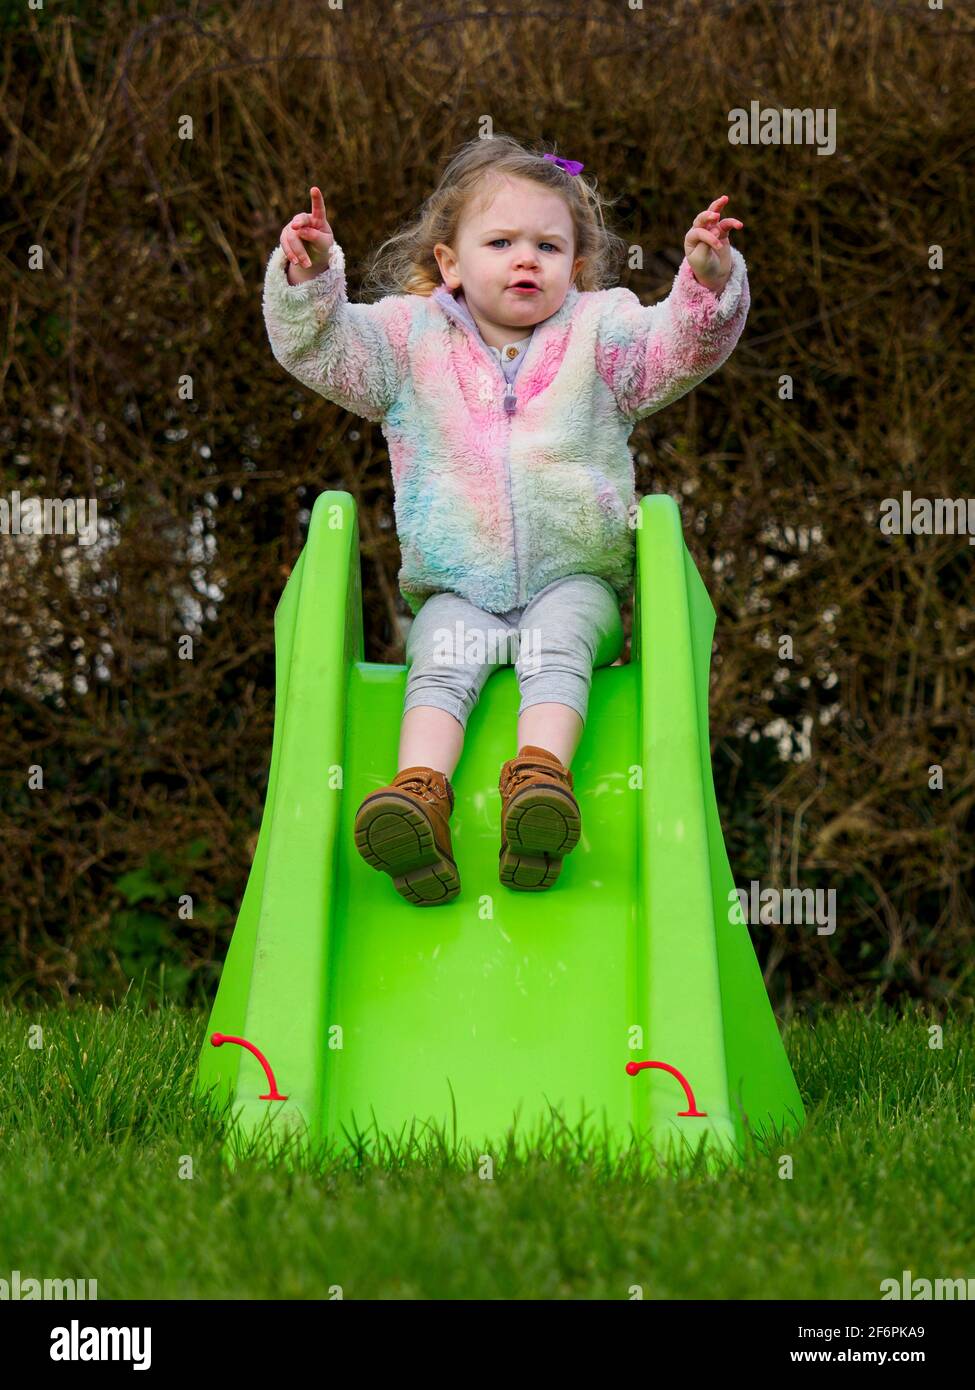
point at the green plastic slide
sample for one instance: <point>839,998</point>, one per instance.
<point>500,1009</point>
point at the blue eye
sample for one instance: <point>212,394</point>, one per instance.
<point>504,238</point>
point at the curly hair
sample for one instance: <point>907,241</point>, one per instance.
<point>405,263</point>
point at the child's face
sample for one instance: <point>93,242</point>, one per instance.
<point>522,232</point>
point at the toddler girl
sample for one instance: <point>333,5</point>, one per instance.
<point>507,382</point>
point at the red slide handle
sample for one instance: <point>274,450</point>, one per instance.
<point>634,1067</point>
<point>218,1039</point>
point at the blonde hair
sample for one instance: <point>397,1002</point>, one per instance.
<point>405,263</point>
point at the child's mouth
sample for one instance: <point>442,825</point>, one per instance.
<point>524,289</point>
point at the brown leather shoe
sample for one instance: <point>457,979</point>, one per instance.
<point>540,820</point>
<point>402,829</point>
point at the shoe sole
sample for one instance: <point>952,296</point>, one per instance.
<point>528,873</point>
<point>542,825</point>
<point>395,837</point>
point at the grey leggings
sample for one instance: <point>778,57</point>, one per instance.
<point>553,641</point>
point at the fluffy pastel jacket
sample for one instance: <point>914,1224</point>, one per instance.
<point>501,488</point>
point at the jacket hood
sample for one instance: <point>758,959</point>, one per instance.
<point>448,303</point>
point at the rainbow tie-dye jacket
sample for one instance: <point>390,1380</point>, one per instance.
<point>502,487</point>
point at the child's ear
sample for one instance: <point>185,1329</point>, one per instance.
<point>447,262</point>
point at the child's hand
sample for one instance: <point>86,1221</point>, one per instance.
<point>307,238</point>
<point>707,247</point>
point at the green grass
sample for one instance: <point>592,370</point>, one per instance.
<point>94,1125</point>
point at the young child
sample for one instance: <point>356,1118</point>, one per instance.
<point>507,382</point>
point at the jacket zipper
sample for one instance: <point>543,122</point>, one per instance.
<point>510,406</point>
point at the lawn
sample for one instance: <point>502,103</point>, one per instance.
<point>110,1169</point>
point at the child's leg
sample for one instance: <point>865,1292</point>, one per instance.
<point>567,629</point>
<point>553,726</point>
<point>451,649</point>
<point>430,737</point>
<point>570,626</point>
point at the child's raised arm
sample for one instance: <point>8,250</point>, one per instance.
<point>650,355</point>
<point>352,354</point>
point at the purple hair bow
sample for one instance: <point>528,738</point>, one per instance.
<point>571,166</point>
